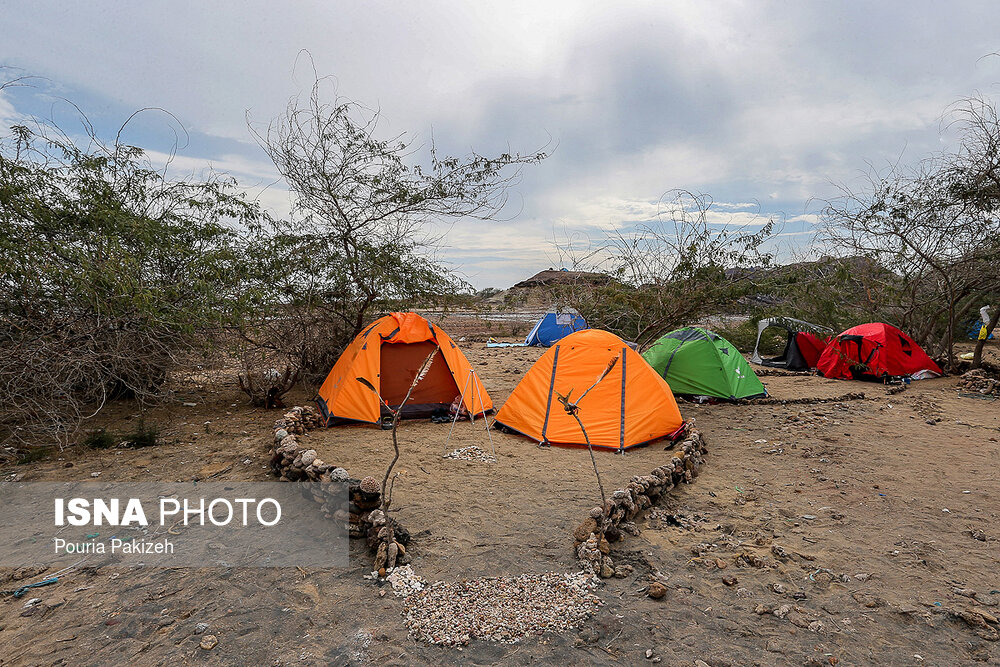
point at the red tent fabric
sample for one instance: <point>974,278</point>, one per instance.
<point>873,350</point>
<point>811,346</point>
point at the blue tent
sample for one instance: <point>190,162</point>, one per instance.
<point>553,327</point>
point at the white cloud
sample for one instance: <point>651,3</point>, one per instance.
<point>769,102</point>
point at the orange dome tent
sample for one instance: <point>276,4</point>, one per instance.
<point>631,406</point>
<point>388,354</point>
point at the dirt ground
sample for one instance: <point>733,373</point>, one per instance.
<point>875,527</point>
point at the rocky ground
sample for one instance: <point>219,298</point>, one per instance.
<point>855,532</point>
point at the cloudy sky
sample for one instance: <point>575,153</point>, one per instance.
<point>763,105</point>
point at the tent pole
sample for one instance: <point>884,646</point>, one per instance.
<point>461,402</point>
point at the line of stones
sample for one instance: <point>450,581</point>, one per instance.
<point>292,462</point>
<point>625,504</point>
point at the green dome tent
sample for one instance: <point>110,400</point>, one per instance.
<point>702,363</point>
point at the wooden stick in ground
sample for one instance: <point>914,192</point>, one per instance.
<point>573,409</point>
<point>590,448</point>
<point>424,367</point>
<point>397,413</point>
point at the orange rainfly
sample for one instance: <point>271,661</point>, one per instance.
<point>632,405</point>
<point>388,354</point>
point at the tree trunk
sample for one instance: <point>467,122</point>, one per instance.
<point>977,358</point>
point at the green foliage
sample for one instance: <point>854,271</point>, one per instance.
<point>100,439</point>
<point>144,435</point>
<point>32,455</point>
<point>108,272</point>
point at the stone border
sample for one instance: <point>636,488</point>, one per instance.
<point>292,462</point>
<point>626,503</point>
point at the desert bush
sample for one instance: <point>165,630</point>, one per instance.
<point>358,245</point>
<point>100,439</point>
<point>143,435</point>
<point>109,272</point>
<point>668,273</point>
<point>933,229</point>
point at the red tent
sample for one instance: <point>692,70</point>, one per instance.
<point>811,346</point>
<point>873,350</point>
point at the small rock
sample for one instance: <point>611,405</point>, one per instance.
<point>730,581</point>
<point>656,590</point>
<point>649,653</point>
<point>985,614</point>
<point>32,602</point>
<point>208,642</point>
<point>701,663</point>
<point>190,405</point>
<point>782,611</point>
<point>200,628</point>
<point>721,564</point>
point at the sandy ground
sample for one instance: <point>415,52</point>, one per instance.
<point>791,498</point>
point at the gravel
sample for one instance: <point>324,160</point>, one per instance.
<point>471,453</point>
<point>501,609</point>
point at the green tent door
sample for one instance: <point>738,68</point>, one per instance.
<point>702,363</point>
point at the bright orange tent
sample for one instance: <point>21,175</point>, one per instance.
<point>631,406</point>
<point>388,354</point>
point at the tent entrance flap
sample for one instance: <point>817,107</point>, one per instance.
<point>400,363</point>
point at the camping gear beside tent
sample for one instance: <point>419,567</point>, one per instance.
<point>805,343</point>
<point>388,354</point>
<point>554,327</point>
<point>978,330</point>
<point>493,343</point>
<point>699,362</point>
<point>631,406</point>
<point>874,351</point>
